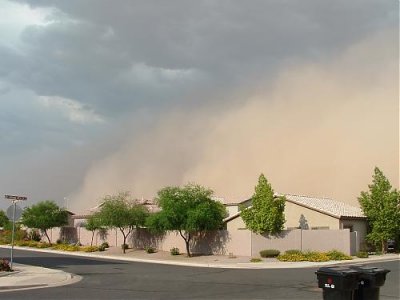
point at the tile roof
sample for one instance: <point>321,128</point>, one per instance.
<point>328,206</point>
<point>323,205</point>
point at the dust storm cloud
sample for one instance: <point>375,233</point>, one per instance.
<point>318,129</point>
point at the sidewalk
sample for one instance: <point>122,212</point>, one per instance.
<point>210,261</point>
<point>29,277</point>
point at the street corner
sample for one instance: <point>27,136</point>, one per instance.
<point>26,277</point>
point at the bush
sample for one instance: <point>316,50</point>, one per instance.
<point>89,249</point>
<point>43,245</point>
<point>174,251</point>
<point>34,235</point>
<point>362,254</point>
<point>269,253</point>
<point>293,251</point>
<point>33,244</point>
<point>337,255</point>
<point>22,243</point>
<point>255,260</point>
<point>59,241</point>
<point>150,250</point>
<point>292,257</point>
<point>105,245</point>
<point>66,247</point>
<point>124,246</point>
<point>19,235</point>
<point>102,248</point>
<point>5,265</point>
<point>315,256</point>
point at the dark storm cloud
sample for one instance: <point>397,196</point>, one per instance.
<point>99,73</point>
<point>89,53</point>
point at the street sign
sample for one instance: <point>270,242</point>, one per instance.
<point>17,215</point>
<point>13,197</point>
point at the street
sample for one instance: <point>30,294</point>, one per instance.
<point>103,279</point>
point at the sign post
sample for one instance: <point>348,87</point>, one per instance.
<point>14,199</point>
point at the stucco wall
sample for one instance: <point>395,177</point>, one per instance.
<point>236,224</point>
<point>299,216</point>
<point>237,242</point>
<point>314,240</point>
<point>359,227</point>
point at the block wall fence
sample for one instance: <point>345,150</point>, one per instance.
<point>223,242</point>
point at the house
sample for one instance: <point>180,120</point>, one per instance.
<point>317,224</point>
<point>311,213</point>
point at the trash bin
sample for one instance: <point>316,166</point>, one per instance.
<point>337,282</point>
<point>370,281</point>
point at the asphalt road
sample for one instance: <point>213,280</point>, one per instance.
<point>107,279</point>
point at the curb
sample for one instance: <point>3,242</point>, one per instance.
<point>243,265</point>
<point>67,280</point>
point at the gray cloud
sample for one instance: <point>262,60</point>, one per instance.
<point>132,64</point>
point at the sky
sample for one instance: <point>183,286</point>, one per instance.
<point>98,97</point>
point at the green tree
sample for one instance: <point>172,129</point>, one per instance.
<point>381,206</point>
<point>266,215</point>
<point>120,211</point>
<point>44,216</point>
<point>189,210</point>
<point>92,224</point>
<point>4,221</point>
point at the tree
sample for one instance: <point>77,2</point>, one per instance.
<point>381,206</point>
<point>92,224</point>
<point>189,210</point>
<point>119,211</point>
<point>266,215</point>
<point>43,216</point>
<point>4,221</point>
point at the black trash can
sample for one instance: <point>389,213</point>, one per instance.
<point>371,279</point>
<point>338,283</point>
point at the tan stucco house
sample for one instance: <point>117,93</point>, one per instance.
<point>310,213</point>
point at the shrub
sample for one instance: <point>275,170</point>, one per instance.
<point>269,253</point>
<point>293,251</point>
<point>174,251</point>
<point>19,235</point>
<point>255,260</point>
<point>34,235</point>
<point>5,265</point>
<point>43,245</point>
<point>22,243</point>
<point>105,245</point>
<point>124,246</point>
<point>292,257</point>
<point>362,254</point>
<point>66,247</point>
<point>337,255</point>
<point>102,248</point>
<point>150,250</point>
<point>315,256</point>
<point>59,241</point>
<point>89,249</point>
<point>33,244</point>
